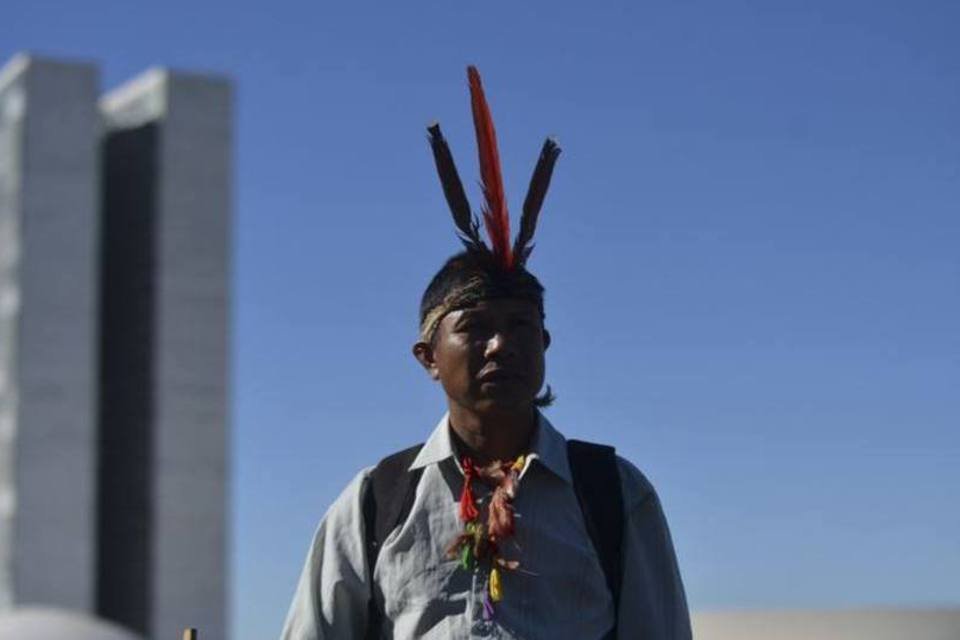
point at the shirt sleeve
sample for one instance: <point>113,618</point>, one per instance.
<point>332,594</point>
<point>652,600</point>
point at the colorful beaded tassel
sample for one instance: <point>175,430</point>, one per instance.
<point>479,543</point>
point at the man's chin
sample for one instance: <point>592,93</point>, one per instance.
<point>504,401</point>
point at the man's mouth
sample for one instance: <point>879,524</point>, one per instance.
<point>499,375</point>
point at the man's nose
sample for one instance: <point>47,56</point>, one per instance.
<point>498,345</point>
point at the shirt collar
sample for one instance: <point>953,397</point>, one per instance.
<point>438,446</point>
<point>548,446</point>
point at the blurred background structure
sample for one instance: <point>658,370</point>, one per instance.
<point>114,338</point>
<point>878,624</point>
<point>749,249</point>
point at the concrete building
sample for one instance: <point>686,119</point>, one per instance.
<point>36,623</point>
<point>49,229</point>
<point>166,160</point>
<point>864,624</point>
<point>114,334</point>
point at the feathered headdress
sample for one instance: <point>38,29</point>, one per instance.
<point>495,217</point>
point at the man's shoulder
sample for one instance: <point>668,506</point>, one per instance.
<point>390,464</point>
<point>397,462</point>
<point>350,501</point>
<point>635,485</point>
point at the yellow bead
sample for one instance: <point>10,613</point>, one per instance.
<point>496,589</point>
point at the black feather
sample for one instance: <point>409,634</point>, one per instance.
<point>466,222</point>
<point>539,184</point>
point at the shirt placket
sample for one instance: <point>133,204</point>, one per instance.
<point>479,627</point>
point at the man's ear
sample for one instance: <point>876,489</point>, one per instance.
<point>423,352</point>
<point>546,339</point>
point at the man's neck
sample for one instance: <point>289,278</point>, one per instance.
<point>492,436</point>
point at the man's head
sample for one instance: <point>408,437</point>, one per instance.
<point>481,317</point>
<point>482,335</point>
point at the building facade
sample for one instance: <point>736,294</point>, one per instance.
<point>115,220</point>
<point>49,239</point>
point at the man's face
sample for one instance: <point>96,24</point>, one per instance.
<point>489,357</point>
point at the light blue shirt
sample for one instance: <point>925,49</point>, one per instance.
<point>559,592</point>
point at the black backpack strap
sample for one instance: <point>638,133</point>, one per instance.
<point>596,481</point>
<point>387,499</point>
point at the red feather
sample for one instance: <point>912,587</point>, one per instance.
<point>468,508</point>
<point>495,216</point>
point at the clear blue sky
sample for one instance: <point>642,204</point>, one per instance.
<point>750,251</point>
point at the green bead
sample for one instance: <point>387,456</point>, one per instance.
<point>466,556</point>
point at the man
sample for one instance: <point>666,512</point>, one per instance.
<point>497,526</point>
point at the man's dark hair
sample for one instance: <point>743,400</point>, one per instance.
<point>467,278</point>
<point>471,277</point>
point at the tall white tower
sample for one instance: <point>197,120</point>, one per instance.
<point>49,226</point>
<point>164,348</point>
<point>115,221</point>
